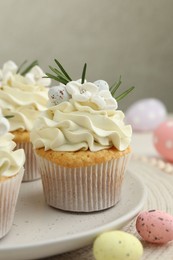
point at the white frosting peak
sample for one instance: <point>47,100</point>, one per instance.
<point>4,125</point>
<point>8,70</point>
<point>10,161</point>
<point>22,96</point>
<point>35,77</point>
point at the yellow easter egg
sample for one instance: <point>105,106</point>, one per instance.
<point>117,245</point>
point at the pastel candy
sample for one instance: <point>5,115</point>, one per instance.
<point>146,114</point>
<point>58,94</point>
<point>155,226</point>
<point>163,139</point>
<point>117,245</point>
<point>101,84</point>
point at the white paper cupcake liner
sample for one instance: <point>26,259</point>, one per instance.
<point>83,189</point>
<point>9,190</point>
<point>31,170</point>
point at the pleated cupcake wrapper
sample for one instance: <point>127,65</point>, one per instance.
<point>31,170</point>
<point>83,189</point>
<point>9,190</point>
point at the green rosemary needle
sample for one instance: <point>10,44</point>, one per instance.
<point>63,70</point>
<point>115,86</point>
<point>28,68</point>
<point>125,93</point>
<point>21,66</point>
<point>84,73</point>
<point>8,117</point>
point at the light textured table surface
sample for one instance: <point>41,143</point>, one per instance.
<point>159,184</point>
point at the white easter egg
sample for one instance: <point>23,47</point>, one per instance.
<point>163,139</point>
<point>58,94</point>
<point>146,114</point>
<point>101,84</point>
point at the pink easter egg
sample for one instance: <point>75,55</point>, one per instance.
<point>163,140</point>
<point>155,226</point>
<point>146,114</point>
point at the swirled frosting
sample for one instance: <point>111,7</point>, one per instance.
<point>10,161</point>
<point>72,126</point>
<point>22,96</point>
<point>4,125</point>
<point>22,100</point>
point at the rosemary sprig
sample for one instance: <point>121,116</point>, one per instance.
<point>58,72</point>
<point>115,86</point>
<point>57,78</point>
<point>84,73</point>
<point>20,67</point>
<point>8,117</point>
<point>62,76</point>
<point>63,70</point>
<point>125,93</point>
<point>27,69</point>
<point>59,75</point>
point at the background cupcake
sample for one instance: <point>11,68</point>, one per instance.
<point>23,94</point>
<point>11,174</point>
<point>82,144</point>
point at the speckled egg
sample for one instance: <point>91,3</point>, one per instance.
<point>101,84</point>
<point>146,114</point>
<point>163,140</point>
<point>117,245</point>
<point>58,94</point>
<point>155,226</point>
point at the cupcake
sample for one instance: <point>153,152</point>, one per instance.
<point>11,174</point>
<point>82,144</point>
<point>23,94</point>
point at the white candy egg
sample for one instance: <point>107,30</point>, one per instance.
<point>101,84</point>
<point>146,114</point>
<point>117,245</point>
<point>163,139</point>
<point>58,94</point>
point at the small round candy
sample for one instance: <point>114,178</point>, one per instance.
<point>58,94</point>
<point>163,140</point>
<point>101,84</point>
<point>146,114</point>
<point>155,226</point>
<point>117,245</point>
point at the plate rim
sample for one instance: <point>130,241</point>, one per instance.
<point>94,231</point>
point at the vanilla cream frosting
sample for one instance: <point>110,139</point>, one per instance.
<point>4,125</point>
<point>74,125</point>
<point>22,96</point>
<point>10,161</point>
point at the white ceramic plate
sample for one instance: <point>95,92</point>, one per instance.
<point>40,231</point>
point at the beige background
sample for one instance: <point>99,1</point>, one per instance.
<point>132,38</point>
